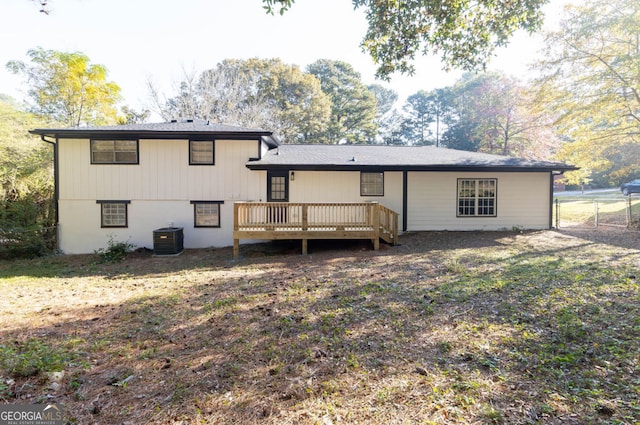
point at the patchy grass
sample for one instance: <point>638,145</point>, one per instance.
<point>518,328</point>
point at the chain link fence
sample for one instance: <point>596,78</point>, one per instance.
<point>620,212</point>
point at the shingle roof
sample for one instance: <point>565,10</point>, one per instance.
<point>362,157</point>
<point>165,130</point>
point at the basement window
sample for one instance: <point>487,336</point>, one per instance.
<point>206,213</point>
<point>114,213</point>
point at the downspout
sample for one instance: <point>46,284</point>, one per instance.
<point>552,179</point>
<point>405,199</point>
<point>56,179</point>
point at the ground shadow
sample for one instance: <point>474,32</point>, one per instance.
<point>448,327</point>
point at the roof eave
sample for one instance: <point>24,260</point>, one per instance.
<point>364,167</point>
<point>150,134</point>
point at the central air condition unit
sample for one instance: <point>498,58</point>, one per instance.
<point>168,241</point>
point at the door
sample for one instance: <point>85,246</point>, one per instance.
<point>277,191</point>
<point>277,186</point>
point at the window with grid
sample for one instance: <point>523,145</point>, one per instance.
<point>477,197</point>
<point>201,152</point>
<point>206,214</point>
<point>371,184</point>
<point>278,188</point>
<point>113,213</point>
<point>114,151</point>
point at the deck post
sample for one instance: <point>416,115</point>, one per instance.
<point>305,217</point>
<point>305,226</point>
<point>236,227</point>
<point>395,228</point>
<point>375,222</point>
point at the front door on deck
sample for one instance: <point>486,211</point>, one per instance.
<point>277,191</point>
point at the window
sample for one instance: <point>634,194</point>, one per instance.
<point>477,197</point>
<point>114,152</point>
<point>278,186</point>
<point>206,213</point>
<point>371,184</point>
<point>113,213</point>
<point>201,152</point>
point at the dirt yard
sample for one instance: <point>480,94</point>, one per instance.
<point>447,328</point>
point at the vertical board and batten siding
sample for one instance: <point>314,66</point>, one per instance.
<point>522,201</point>
<point>344,186</point>
<point>160,189</point>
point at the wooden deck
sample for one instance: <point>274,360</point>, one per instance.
<point>304,221</point>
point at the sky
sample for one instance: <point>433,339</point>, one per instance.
<point>160,40</point>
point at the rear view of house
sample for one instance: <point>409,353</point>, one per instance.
<point>124,182</point>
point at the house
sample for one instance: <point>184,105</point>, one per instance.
<point>124,182</point>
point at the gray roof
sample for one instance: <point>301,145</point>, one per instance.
<point>172,129</point>
<point>363,157</point>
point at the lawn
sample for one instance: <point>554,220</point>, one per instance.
<point>478,327</point>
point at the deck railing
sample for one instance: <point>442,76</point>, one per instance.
<point>304,221</point>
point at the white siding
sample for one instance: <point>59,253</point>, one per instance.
<point>163,173</point>
<point>80,230</point>
<point>344,186</point>
<point>522,201</point>
<point>162,185</point>
<point>159,189</point>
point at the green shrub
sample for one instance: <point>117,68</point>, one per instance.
<point>115,252</point>
<point>24,243</point>
<point>31,358</point>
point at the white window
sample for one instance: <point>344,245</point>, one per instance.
<point>206,213</point>
<point>371,184</point>
<point>114,152</point>
<point>113,213</point>
<point>477,197</point>
<point>201,152</point>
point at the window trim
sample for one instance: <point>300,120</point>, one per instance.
<point>126,213</point>
<point>195,216</point>
<point>213,152</point>
<point>476,207</point>
<point>137,161</point>
<point>362,173</point>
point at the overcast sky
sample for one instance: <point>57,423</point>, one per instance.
<point>158,39</point>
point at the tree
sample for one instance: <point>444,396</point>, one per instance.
<point>426,115</point>
<point>590,78</point>
<point>392,130</point>
<point>497,113</point>
<point>255,93</point>
<point>418,119</point>
<point>464,33</point>
<point>353,105</point>
<point>26,169</point>
<point>131,116</point>
<point>439,105</point>
<point>67,88</point>
<point>386,116</point>
<point>462,135</point>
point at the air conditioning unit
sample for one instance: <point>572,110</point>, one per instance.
<point>168,241</point>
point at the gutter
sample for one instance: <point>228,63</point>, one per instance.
<point>256,165</point>
<point>56,181</point>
